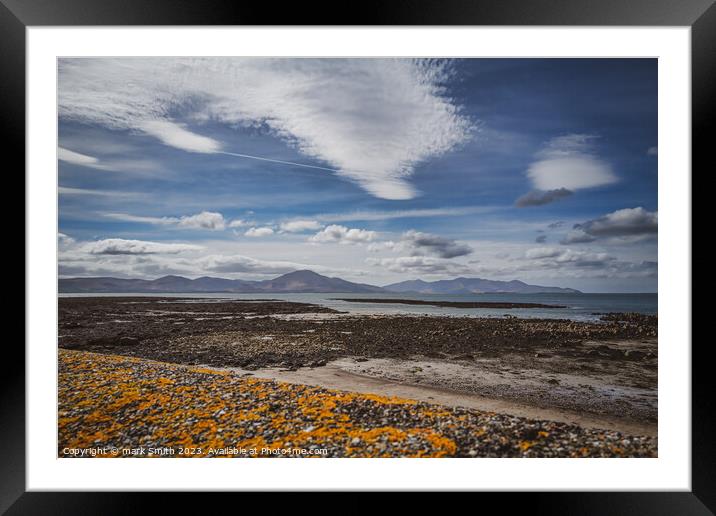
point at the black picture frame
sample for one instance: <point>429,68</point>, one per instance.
<point>700,15</point>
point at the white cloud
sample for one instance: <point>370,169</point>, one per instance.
<point>145,259</point>
<point>75,157</point>
<point>652,151</point>
<point>373,120</point>
<point>64,241</point>
<point>381,246</point>
<point>239,223</point>
<point>271,257</point>
<point>554,257</point>
<point>176,135</point>
<point>342,235</point>
<point>299,226</point>
<point>585,258</point>
<point>569,162</point>
<point>204,220</point>
<point>120,246</point>
<point>259,232</point>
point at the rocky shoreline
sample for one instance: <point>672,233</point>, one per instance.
<point>607,368</point>
<point>254,334</point>
<point>114,406</point>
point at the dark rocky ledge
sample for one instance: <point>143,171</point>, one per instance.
<point>451,304</point>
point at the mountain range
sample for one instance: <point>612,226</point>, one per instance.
<point>298,281</point>
<point>293,282</point>
<point>472,286</point>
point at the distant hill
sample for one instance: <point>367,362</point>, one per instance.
<point>298,281</point>
<point>309,281</point>
<point>472,286</point>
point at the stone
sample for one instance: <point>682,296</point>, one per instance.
<point>128,341</point>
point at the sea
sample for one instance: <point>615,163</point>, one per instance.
<point>578,307</point>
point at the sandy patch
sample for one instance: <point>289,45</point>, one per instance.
<point>524,394</point>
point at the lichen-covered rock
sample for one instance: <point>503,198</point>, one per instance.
<point>137,407</point>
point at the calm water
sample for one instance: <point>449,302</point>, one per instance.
<point>578,306</point>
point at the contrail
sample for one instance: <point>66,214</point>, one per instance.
<point>277,161</point>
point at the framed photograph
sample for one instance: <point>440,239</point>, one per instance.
<point>436,247</point>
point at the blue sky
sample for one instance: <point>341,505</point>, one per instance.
<point>374,170</point>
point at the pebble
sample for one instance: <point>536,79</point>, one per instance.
<point>123,402</point>
<point>234,333</point>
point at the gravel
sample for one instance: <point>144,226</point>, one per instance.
<point>123,406</point>
<point>252,335</point>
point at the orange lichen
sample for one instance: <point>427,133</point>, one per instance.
<point>108,394</point>
<point>123,402</point>
<point>526,445</point>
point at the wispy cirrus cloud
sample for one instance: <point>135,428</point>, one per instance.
<point>176,135</point>
<point>371,120</point>
<point>121,246</point>
<point>122,164</point>
<point>208,220</point>
<point>368,215</point>
<point>76,158</point>
<point>91,192</point>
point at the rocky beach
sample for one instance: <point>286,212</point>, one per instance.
<point>565,388</point>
